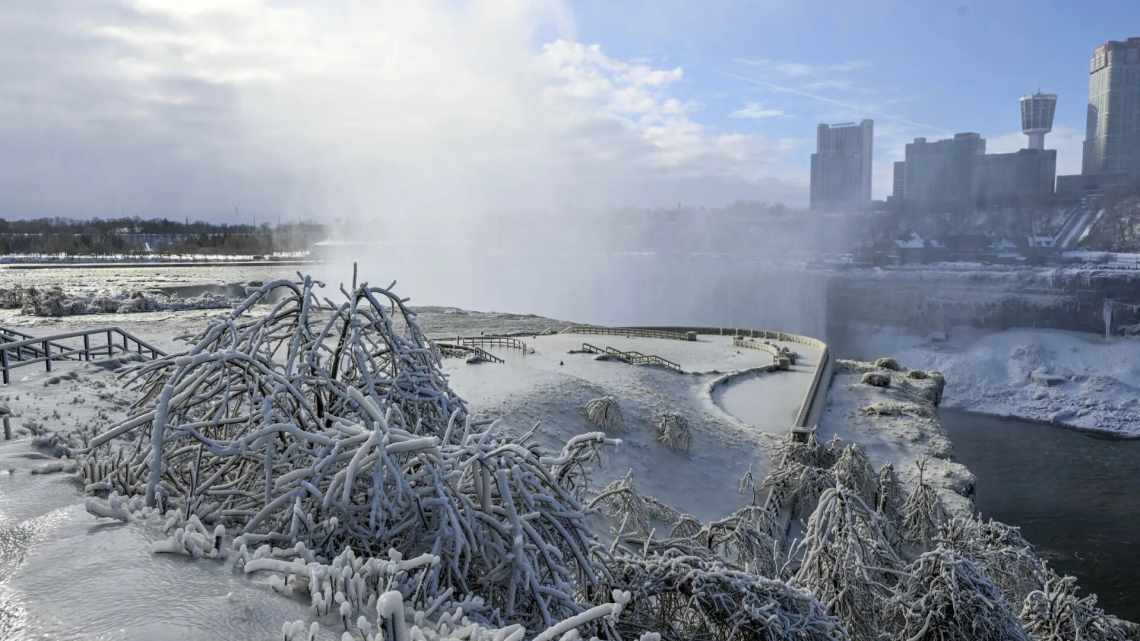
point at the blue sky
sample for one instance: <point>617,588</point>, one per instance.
<point>918,68</point>
<point>425,109</point>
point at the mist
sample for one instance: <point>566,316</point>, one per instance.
<point>481,154</point>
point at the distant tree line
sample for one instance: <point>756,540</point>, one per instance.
<point>99,236</point>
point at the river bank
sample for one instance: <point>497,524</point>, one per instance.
<point>1054,376</point>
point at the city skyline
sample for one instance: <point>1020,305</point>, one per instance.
<point>164,108</point>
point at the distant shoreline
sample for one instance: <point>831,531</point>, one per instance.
<point>144,264</point>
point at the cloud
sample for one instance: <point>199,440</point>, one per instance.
<point>756,111</point>
<point>408,110</point>
<point>802,69</point>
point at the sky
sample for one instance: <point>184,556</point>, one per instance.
<point>259,110</point>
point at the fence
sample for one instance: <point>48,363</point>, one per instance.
<point>633,358</point>
<point>71,346</point>
<point>636,332</point>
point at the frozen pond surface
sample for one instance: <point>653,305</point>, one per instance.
<point>1075,495</point>
<point>66,575</point>
<point>769,401</point>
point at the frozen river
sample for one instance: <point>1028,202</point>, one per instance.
<point>1075,495</point>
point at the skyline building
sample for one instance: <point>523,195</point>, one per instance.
<point>841,166</point>
<point>1112,129</point>
<point>1037,117</point>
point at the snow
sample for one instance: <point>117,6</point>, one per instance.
<point>1070,378</point>
<point>552,386</point>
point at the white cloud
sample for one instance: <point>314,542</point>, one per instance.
<point>755,110</point>
<point>801,69</point>
<point>408,109</point>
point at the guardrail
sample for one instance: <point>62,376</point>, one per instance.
<point>637,332</point>
<point>632,357</point>
<point>449,349</point>
<point>30,350</point>
<point>485,342</point>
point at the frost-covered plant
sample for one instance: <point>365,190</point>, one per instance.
<point>632,513</point>
<point>811,453</point>
<point>673,431</point>
<point>847,561</point>
<point>1056,613</point>
<point>854,471</point>
<point>797,487</point>
<point>333,425</point>
<point>605,413</point>
<point>945,596</point>
<point>686,593</point>
<point>1000,550</point>
<point>922,513</point>
<point>747,539</point>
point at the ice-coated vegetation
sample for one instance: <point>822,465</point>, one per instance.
<point>320,442</point>
<point>605,413</point>
<point>55,302</point>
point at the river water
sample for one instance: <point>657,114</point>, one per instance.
<point>1075,495</point>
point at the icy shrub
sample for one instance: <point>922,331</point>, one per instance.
<point>334,426</point>
<point>848,562</point>
<point>673,431</point>
<point>685,592</point>
<point>887,363</point>
<point>853,471</point>
<point>922,513</point>
<point>605,413</point>
<point>945,596</point>
<point>1000,550</point>
<point>917,374</point>
<point>1056,613</point>
<point>876,379</point>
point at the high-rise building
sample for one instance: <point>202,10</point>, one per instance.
<point>957,175</point>
<point>938,176</point>
<point>841,167</point>
<point>1112,129</point>
<point>1037,117</point>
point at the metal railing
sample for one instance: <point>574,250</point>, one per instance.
<point>449,349</point>
<point>636,332</point>
<point>631,357</point>
<point>31,350</point>
<point>487,342</point>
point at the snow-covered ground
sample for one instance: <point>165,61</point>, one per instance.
<point>552,386</point>
<point>112,586</point>
<point>1071,378</point>
<point>893,427</point>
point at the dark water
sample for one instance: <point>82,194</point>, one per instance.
<point>1075,495</point>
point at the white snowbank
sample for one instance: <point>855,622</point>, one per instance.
<point>1070,378</point>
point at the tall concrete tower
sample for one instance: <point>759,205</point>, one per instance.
<point>1112,130</point>
<point>1037,117</point>
<point>841,166</point>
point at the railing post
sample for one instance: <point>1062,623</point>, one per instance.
<point>110,345</point>
<point>4,364</point>
<point>47,355</point>
<point>86,347</point>
<point>125,348</point>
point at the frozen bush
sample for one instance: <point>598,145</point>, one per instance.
<point>333,425</point>
<point>605,413</point>
<point>673,431</point>
<point>946,596</point>
<point>1056,613</point>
